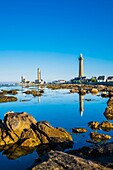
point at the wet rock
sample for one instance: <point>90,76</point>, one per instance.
<point>109,109</point>
<point>106,126</point>
<point>93,125</point>
<point>99,137</point>
<point>27,92</point>
<point>110,102</point>
<point>101,154</point>
<point>94,91</point>
<point>74,91</point>
<point>109,113</point>
<point>79,130</point>
<point>101,88</point>
<point>34,92</point>
<point>111,94</point>
<point>82,92</point>
<point>13,92</point>
<point>105,95</point>
<point>56,160</point>
<point>45,148</point>
<point>7,99</point>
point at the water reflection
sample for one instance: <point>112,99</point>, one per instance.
<point>81,104</point>
<point>39,99</point>
<point>15,151</point>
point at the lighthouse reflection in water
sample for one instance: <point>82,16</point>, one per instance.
<point>81,104</point>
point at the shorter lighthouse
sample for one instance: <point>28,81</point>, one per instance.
<point>38,74</point>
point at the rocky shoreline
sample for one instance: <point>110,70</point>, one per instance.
<point>82,89</point>
<point>21,134</point>
<point>61,161</point>
<point>4,98</point>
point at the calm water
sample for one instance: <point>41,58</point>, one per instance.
<point>59,108</point>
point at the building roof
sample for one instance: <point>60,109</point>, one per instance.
<point>101,77</point>
<point>110,77</point>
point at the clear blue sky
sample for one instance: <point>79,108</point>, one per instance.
<point>51,34</point>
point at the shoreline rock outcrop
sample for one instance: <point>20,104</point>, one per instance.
<point>61,161</point>
<point>102,154</point>
<point>23,129</point>
<point>109,109</point>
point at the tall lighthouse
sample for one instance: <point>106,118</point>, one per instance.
<point>81,69</point>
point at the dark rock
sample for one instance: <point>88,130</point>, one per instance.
<point>111,94</point>
<point>74,91</point>
<point>92,141</point>
<point>56,160</point>
<point>45,148</point>
<point>89,100</point>
<point>41,91</point>
<point>101,154</point>
<point>105,95</point>
<point>24,100</point>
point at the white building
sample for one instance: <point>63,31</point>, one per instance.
<point>110,79</point>
<point>59,81</point>
<point>23,79</point>
<point>101,79</point>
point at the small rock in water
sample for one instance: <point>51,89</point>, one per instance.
<point>93,125</point>
<point>88,100</point>
<point>106,126</point>
<point>79,130</point>
<point>99,137</point>
<point>74,91</point>
<point>94,91</point>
